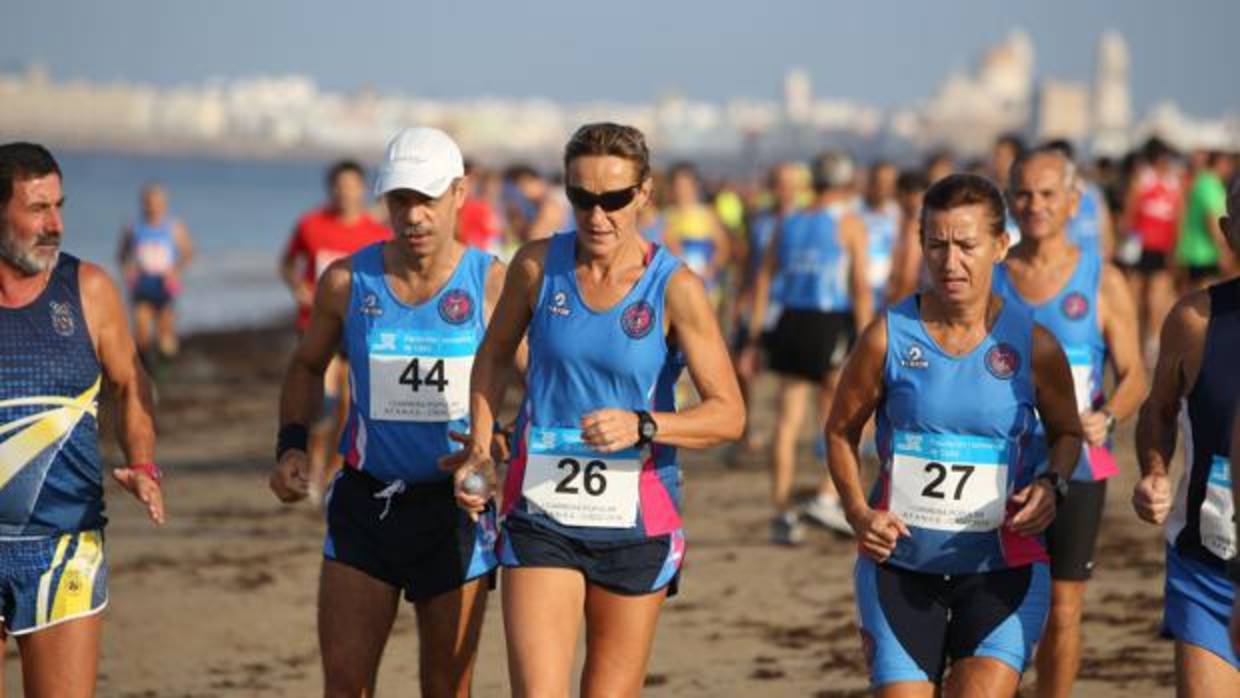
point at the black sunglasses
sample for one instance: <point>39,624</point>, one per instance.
<point>609,201</point>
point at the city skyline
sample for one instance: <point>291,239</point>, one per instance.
<point>637,52</point>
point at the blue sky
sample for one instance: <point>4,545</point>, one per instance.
<point>879,51</point>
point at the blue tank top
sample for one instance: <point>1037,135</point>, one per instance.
<point>51,478</point>
<point>583,360</point>
<point>409,368</point>
<point>881,225</point>
<point>1085,228</point>
<point>813,266</point>
<point>952,433</point>
<point>1201,523</point>
<point>1072,316</point>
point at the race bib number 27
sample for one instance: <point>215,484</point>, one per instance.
<point>949,482</point>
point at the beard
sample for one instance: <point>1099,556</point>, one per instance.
<point>26,259</point>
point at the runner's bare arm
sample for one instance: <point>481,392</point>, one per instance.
<point>1179,359</point>
<point>1056,402</point>
<point>720,416</point>
<point>127,382</point>
<point>185,246</point>
<point>1119,330</point>
<point>723,243</point>
<point>762,287</point>
<point>494,288</point>
<point>854,234</point>
<point>860,388</point>
<point>302,393</point>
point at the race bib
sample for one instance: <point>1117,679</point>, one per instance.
<point>419,376</point>
<point>153,257</point>
<point>1082,377</point>
<point>578,486</point>
<point>1218,511</point>
<point>948,482</point>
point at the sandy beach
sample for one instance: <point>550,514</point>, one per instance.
<point>221,600</point>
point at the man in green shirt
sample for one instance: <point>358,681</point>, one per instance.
<point>1202,250</point>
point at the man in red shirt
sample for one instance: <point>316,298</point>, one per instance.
<point>337,229</point>
<point>478,223</point>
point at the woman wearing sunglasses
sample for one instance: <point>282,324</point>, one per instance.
<point>592,497</point>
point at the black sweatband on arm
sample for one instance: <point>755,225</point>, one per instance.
<point>291,436</point>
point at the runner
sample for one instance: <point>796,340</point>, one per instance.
<point>952,570</point>
<point>592,496</point>
<point>1196,384</point>
<point>1233,569</point>
<point>410,313</point>
<point>819,257</point>
<point>785,183</point>
<point>1085,303</point>
<point>154,254</point>
<point>480,224</point>
<point>881,214</point>
<point>1090,226</point>
<point>1152,212</point>
<point>333,231</point>
<point>907,271</point>
<point>692,231</point>
<point>534,208</point>
<point>1202,250</point>
<point>62,334</point>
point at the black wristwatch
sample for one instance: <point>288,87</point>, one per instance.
<point>646,428</point>
<point>1058,485</point>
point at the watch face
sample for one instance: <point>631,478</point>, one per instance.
<point>647,429</point>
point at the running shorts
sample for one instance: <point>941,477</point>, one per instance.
<point>1073,535</point>
<point>631,567</point>
<point>1198,605</point>
<point>913,623</point>
<point>417,540</point>
<point>807,344</point>
<point>47,581</point>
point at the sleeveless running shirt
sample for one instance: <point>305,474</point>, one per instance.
<point>1085,228</point>
<point>813,266</point>
<point>51,478</point>
<point>881,226</point>
<point>582,360</point>
<point>1157,208</point>
<point>693,228</point>
<point>1072,316</point>
<point>952,434</point>
<point>1201,523</point>
<point>409,368</point>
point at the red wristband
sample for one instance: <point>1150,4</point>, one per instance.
<point>150,470</point>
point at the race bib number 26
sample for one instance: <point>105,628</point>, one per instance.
<point>948,482</point>
<point>578,486</point>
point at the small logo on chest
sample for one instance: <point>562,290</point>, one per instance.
<point>1003,361</point>
<point>456,306</point>
<point>370,305</point>
<point>559,304</point>
<point>914,357</point>
<point>637,319</point>
<point>62,319</point>
<point>1075,305</point>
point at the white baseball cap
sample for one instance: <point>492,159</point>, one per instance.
<point>423,159</point>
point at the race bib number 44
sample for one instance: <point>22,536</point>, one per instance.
<point>578,486</point>
<point>420,376</point>
<point>948,482</point>
<point>1218,511</point>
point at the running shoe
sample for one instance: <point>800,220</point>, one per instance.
<point>827,512</point>
<point>786,529</point>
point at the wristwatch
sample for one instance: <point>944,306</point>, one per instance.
<point>646,428</point>
<point>1058,485</point>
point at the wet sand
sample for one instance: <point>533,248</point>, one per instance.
<point>221,600</point>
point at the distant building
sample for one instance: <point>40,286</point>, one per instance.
<point>1112,122</point>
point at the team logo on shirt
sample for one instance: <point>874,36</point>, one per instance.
<point>456,306</point>
<point>1003,361</point>
<point>637,319</point>
<point>559,304</point>
<point>370,305</point>
<point>1075,305</point>
<point>62,318</point>
<point>914,357</point>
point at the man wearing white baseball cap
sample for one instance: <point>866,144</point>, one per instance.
<point>410,313</point>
